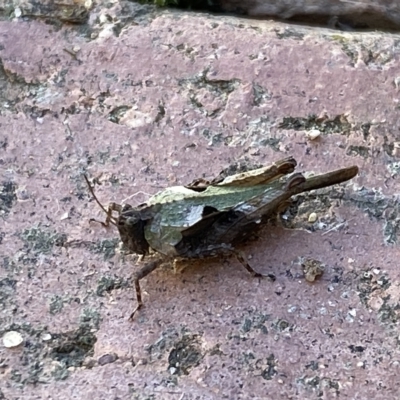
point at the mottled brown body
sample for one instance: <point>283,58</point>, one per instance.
<point>210,218</point>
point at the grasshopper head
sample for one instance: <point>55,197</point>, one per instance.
<point>131,229</point>
<point>130,223</point>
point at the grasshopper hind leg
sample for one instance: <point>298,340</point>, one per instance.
<point>243,260</point>
<point>222,249</point>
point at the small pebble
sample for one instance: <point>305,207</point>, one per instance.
<point>313,134</point>
<point>103,18</point>
<point>107,359</point>
<point>46,337</point>
<point>312,217</point>
<point>17,12</point>
<point>12,339</point>
<point>353,312</point>
<point>376,271</point>
<point>312,269</point>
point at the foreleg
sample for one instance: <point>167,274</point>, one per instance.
<point>147,269</point>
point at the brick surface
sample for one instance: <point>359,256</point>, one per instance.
<point>158,99</point>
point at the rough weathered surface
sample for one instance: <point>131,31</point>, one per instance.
<point>341,14</point>
<point>141,101</point>
<point>373,14</point>
<point>75,11</point>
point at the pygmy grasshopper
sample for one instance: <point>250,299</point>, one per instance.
<point>208,218</point>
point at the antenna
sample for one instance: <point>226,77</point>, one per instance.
<point>109,218</point>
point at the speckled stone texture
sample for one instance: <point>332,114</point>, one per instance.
<point>139,100</point>
<point>373,14</point>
